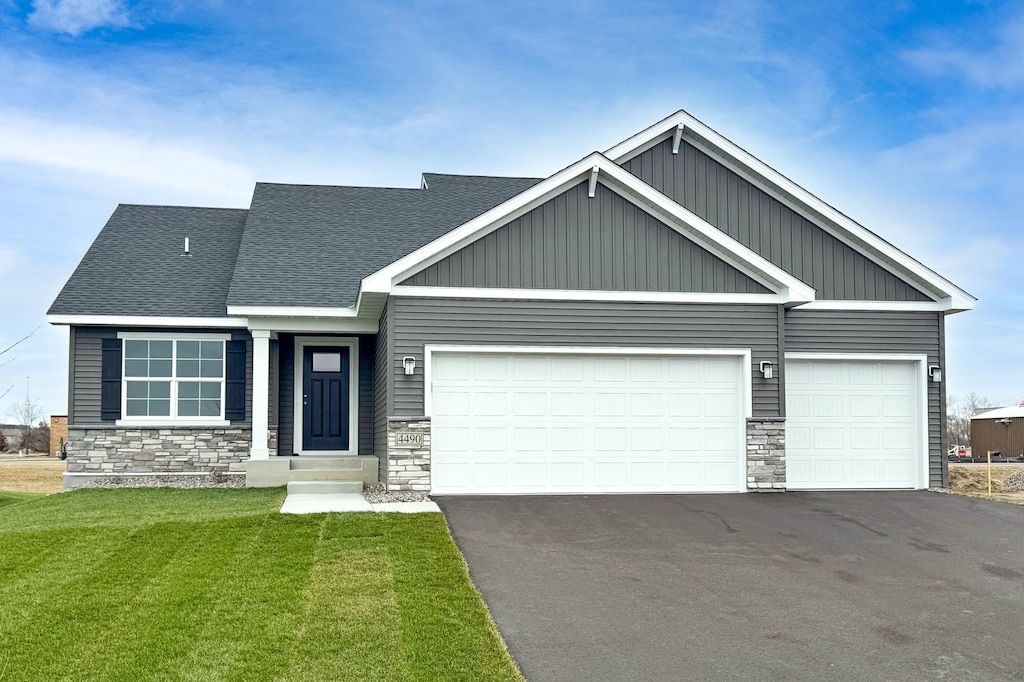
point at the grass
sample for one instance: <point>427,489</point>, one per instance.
<point>31,474</point>
<point>971,480</point>
<point>159,584</point>
<point>7,498</point>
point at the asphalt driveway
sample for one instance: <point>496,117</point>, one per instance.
<point>798,586</point>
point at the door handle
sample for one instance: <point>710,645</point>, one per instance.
<point>305,399</point>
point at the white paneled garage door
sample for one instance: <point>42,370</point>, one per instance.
<point>574,423</point>
<point>853,424</point>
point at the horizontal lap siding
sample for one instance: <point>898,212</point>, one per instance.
<point>286,393</point>
<point>577,242</point>
<point>367,415</point>
<point>380,393</point>
<point>824,331</point>
<point>420,321</point>
<point>87,363</point>
<point>767,226</point>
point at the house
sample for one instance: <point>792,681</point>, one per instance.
<point>1000,430</point>
<point>671,315</point>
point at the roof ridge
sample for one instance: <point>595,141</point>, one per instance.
<point>477,175</point>
<point>200,208</point>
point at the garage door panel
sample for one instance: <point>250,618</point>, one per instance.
<point>853,425</point>
<point>620,430</point>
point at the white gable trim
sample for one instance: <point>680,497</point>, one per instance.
<point>790,289</point>
<point>766,178</point>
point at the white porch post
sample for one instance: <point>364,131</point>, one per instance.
<point>260,393</point>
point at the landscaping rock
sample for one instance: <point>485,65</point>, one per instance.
<point>1014,481</point>
<point>169,481</point>
<point>375,494</point>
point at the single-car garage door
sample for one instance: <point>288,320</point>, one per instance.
<point>515,422</point>
<point>853,424</point>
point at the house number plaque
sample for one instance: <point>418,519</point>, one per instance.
<point>408,439</point>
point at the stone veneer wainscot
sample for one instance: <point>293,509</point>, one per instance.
<point>158,450</point>
<point>409,468</point>
<point>766,454</point>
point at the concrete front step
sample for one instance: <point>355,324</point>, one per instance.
<point>324,487</point>
<point>337,463</point>
<point>328,475</point>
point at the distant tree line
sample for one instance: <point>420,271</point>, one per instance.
<point>958,416</point>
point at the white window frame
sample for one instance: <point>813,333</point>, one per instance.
<point>172,420</point>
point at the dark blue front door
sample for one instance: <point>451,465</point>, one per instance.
<point>325,400</point>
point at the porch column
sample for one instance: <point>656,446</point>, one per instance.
<point>260,393</point>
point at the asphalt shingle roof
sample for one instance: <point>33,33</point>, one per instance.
<point>136,264</point>
<point>312,245</point>
<point>297,245</point>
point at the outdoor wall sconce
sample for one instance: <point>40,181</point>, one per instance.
<point>409,362</point>
<point>935,372</point>
<point>767,370</point>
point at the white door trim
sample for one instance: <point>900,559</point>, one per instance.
<point>921,361</point>
<point>743,354</point>
<point>353,388</point>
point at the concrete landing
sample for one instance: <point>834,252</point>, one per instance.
<point>322,503</point>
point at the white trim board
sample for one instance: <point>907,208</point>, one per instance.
<point>796,197</point>
<point>584,295</point>
<point>147,321</point>
<point>921,361</point>
<point>353,388</point>
<point>630,188</point>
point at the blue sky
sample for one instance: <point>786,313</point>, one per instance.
<point>907,116</point>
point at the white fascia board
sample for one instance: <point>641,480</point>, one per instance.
<point>382,280</point>
<point>613,177</point>
<point>291,311</point>
<point>147,321</point>
<point>586,295</point>
<point>627,149</point>
<point>313,325</point>
<point>945,305</point>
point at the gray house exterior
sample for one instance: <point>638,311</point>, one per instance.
<point>670,315</point>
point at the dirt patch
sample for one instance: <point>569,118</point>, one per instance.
<point>31,474</point>
<point>972,480</point>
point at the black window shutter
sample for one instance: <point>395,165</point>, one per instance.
<point>110,380</point>
<point>234,388</point>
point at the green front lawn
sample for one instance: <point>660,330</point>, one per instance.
<point>7,497</point>
<point>215,584</point>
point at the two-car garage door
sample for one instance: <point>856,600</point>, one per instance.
<point>516,422</point>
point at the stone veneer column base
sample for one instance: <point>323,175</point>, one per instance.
<point>408,468</point>
<point>766,454</point>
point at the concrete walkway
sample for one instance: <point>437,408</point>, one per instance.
<point>321,503</point>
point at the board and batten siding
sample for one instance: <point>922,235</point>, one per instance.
<point>415,322</point>
<point>767,226</point>
<point>824,331</point>
<point>286,393</point>
<point>575,242</point>
<point>88,360</point>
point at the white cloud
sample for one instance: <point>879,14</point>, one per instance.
<point>176,164</point>
<point>1001,65</point>
<point>75,17</point>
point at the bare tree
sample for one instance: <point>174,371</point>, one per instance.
<point>27,412</point>
<point>958,416</point>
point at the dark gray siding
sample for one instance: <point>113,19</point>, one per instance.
<point>823,331</point>
<point>286,393</point>
<point>767,226</point>
<point>87,362</point>
<point>578,243</point>
<point>418,321</point>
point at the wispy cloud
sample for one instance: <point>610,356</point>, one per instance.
<point>75,17</point>
<point>997,62</point>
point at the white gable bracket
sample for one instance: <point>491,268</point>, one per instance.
<point>593,182</point>
<point>677,138</point>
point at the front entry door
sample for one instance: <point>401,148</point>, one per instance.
<point>325,399</point>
